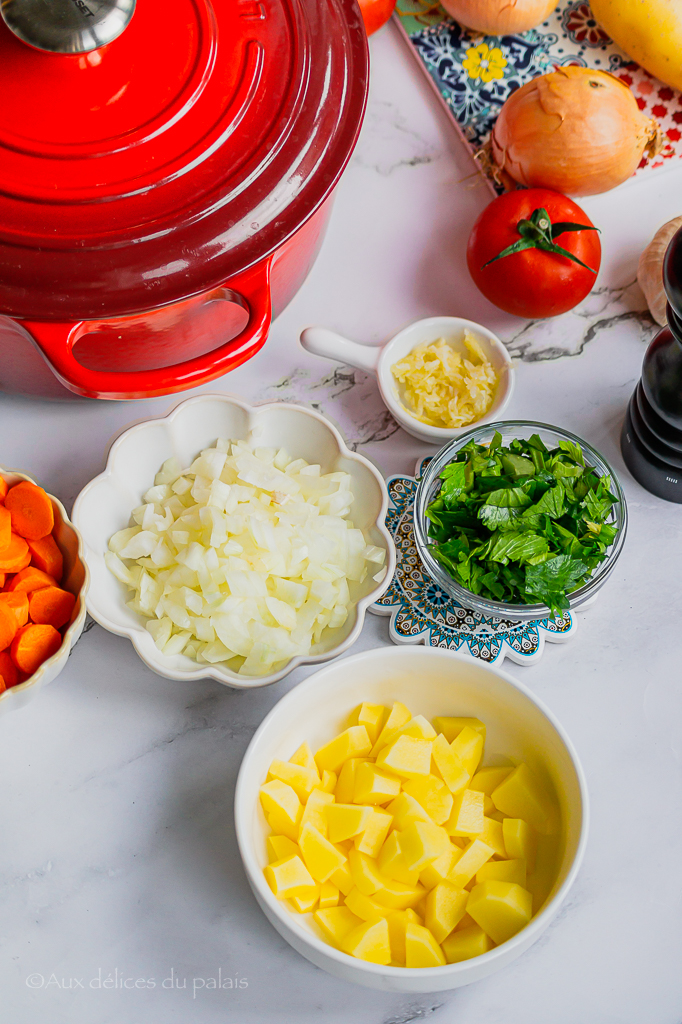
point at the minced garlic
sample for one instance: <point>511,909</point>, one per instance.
<point>443,388</point>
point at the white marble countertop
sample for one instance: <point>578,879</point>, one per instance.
<point>118,852</point>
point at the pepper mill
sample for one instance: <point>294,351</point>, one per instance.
<point>651,440</point>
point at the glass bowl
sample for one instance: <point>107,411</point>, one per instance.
<point>429,486</point>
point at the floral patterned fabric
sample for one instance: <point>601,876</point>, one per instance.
<point>475,74</point>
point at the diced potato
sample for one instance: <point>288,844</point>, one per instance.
<point>421,842</point>
<point>466,817</point>
<point>345,821</point>
<point>501,909</point>
<point>445,908</point>
<point>329,895</point>
<point>302,780</point>
<point>433,795</point>
<point>465,944</point>
<point>304,757</point>
<point>372,716</point>
<point>353,742</point>
<point>407,756</point>
<point>373,786</point>
<point>373,837</point>
<point>398,716</point>
<point>303,905</point>
<point>492,836</point>
<point>281,824</point>
<point>397,926</point>
<point>449,768</point>
<point>489,808</point>
<point>523,795</point>
<point>329,781</point>
<point>343,879</point>
<point>399,896</point>
<point>392,864</point>
<point>279,847</point>
<point>335,923</point>
<point>405,809</point>
<point>290,877</point>
<point>467,747</point>
<point>488,779</point>
<point>439,869</point>
<point>315,810</point>
<point>369,941</point>
<point>473,858</point>
<point>279,796</point>
<point>321,858</point>
<point>365,872</point>
<point>452,727</point>
<point>520,840</point>
<point>364,906</point>
<point>503,871</point>
<point>345,786</point>
<point>418,727</point>
<point>421,949</point>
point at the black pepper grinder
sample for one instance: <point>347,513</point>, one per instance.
<point>651,440</point>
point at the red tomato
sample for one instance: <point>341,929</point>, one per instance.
<point>532,283</point>
<point>375,13</point>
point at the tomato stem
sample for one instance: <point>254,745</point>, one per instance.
<point>538,232</point>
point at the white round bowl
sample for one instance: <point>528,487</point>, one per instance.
<point>379,360</point>
<point>76,580</point>
<point>430,682</point>
<point>105,504</point>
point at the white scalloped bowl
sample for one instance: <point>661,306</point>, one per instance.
<point>105,504</point>
<point>75,579</point>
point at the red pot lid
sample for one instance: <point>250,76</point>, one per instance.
<point>175,156</point>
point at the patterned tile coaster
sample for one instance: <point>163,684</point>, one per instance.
<point>423,613</point>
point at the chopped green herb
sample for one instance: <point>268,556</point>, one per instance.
<point>521,524</point>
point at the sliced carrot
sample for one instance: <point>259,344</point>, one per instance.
<point>8,626</point>
<point>31,510</point>
<point>3,488</point>
<point>9,673</point>
<point>18,602</point>
<point>2,575</point>
<point>5,527</point>
<point>32,645</point>
<point>31,578</point>
<point>15,556</point>
<point>46,555</point>
<point>51,605</point>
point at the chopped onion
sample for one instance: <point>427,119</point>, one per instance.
<point>245,558</point>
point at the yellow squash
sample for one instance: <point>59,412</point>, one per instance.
<point>650,31</point>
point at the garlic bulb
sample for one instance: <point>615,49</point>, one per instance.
<point>650,270</point>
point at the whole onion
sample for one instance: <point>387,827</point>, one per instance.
<point>573,130</point>
<point>499,17</point>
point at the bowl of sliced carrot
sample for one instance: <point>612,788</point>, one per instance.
<point>43,581</point>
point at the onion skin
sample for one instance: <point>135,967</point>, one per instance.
<point>573,130</point>
<point>499,17</point>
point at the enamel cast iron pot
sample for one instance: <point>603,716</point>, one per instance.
<point>166,169</point>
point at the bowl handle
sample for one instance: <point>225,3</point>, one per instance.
<point>321,342</point>
<point>57,339</point>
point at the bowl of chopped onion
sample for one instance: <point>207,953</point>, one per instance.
<point>235,542</point>
<point>437,377</point>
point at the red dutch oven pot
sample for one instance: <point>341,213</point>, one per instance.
<point>165,184</point>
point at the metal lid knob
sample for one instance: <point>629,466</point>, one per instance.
<point>67,26</point>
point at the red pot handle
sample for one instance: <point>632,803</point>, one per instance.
<point>56,341</point>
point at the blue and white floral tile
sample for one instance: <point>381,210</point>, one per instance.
<point>421,612</point>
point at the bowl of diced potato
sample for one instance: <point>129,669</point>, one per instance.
<point>411,819</point>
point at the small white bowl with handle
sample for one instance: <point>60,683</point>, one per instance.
<point>378,360</point>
